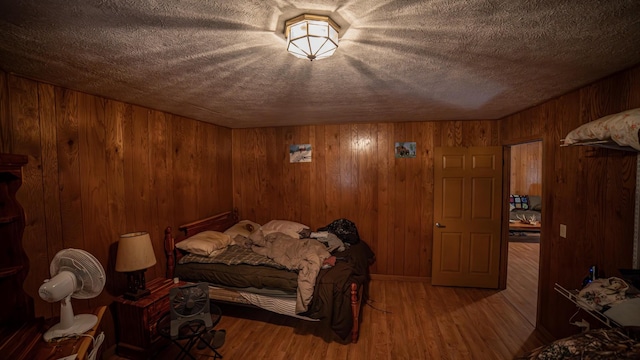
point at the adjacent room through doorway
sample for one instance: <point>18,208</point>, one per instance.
<point>525,216</point>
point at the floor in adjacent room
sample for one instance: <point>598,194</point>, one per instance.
<point>522,278</point>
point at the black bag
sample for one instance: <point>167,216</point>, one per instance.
<point>344,229</point>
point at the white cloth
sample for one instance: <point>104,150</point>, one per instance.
<point>602,292</point>
<point>621,127</point>
<point>331,241</point>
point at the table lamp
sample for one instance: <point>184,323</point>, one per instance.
<point>135,255</point>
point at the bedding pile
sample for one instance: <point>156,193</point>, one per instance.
<point>596,344</point>
<point>306,256</point>
<point>318,267</point>
<point>603,292</point>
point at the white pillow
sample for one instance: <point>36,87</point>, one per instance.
<point>205,243</point>
<point>243,228</point>
<point>290,228</point>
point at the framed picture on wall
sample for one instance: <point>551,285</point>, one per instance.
<point>405,149</point>
<point>300,153</point>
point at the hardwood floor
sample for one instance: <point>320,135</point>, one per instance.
<point>522,278</point>
<point>405,320</point>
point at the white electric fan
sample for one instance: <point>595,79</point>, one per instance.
<point>78,274</point>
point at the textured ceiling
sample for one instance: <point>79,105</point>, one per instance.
<point>225,62</point>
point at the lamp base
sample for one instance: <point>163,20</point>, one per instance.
<point>137,295</point>
<point>136,285</point>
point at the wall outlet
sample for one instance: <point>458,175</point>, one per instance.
<point>563,231</point>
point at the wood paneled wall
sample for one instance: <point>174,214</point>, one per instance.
<point>590,190</point>
<point>100,168</point>
<point>353,174</point>
<point>526,168</point>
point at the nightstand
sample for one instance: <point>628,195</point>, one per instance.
<point>136,321</point>
<point>26,343</point>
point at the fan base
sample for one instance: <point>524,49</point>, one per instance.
<point>81,324</point>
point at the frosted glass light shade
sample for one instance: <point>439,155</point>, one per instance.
<point>312,37</point>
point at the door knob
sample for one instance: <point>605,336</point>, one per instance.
<point>438,225</point>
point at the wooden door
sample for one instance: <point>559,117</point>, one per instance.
<point>467,216</point>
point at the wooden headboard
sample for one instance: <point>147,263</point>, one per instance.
<point>219,222</point>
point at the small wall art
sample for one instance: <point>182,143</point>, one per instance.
<point>405,149</point>
<point>300,153</point>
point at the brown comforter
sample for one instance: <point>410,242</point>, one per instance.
<point>331,301</point>
<point>302,255</point>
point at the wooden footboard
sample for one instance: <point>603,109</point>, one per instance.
<point>356,302</point>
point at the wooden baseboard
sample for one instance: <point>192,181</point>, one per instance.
<point>545,333</point>
<point>109,352</point>
<point>399,278</point>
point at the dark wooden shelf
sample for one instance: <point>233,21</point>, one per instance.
<point>9,219</point>
<point>16,309</point>
<point>10,271</point>
<point>24,341</point>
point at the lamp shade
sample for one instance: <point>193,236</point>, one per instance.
<point>135,252</point>
<point>311,37</point>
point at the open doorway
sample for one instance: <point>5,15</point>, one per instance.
<point>525,215</point>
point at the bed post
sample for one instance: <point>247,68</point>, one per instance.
<point>169,244</point>
<point>355,311</point>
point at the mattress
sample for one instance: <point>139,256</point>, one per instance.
<point>239,276</point>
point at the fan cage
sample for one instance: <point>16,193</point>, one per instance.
<point>190,301</point>
<point>89,272</point>
<point>189,304</point>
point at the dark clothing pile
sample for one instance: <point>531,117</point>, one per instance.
<point>344,229</point>
<point>352,265</point>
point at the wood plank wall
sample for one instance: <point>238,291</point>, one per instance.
<point>590,190</point>
<point>353,174</point>
<point>99,168</point>
<point>526,169</point>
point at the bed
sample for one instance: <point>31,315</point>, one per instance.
<point>525,207</point>
<point>338,294</point>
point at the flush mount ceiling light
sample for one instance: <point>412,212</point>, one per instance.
<point>312,37</point>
